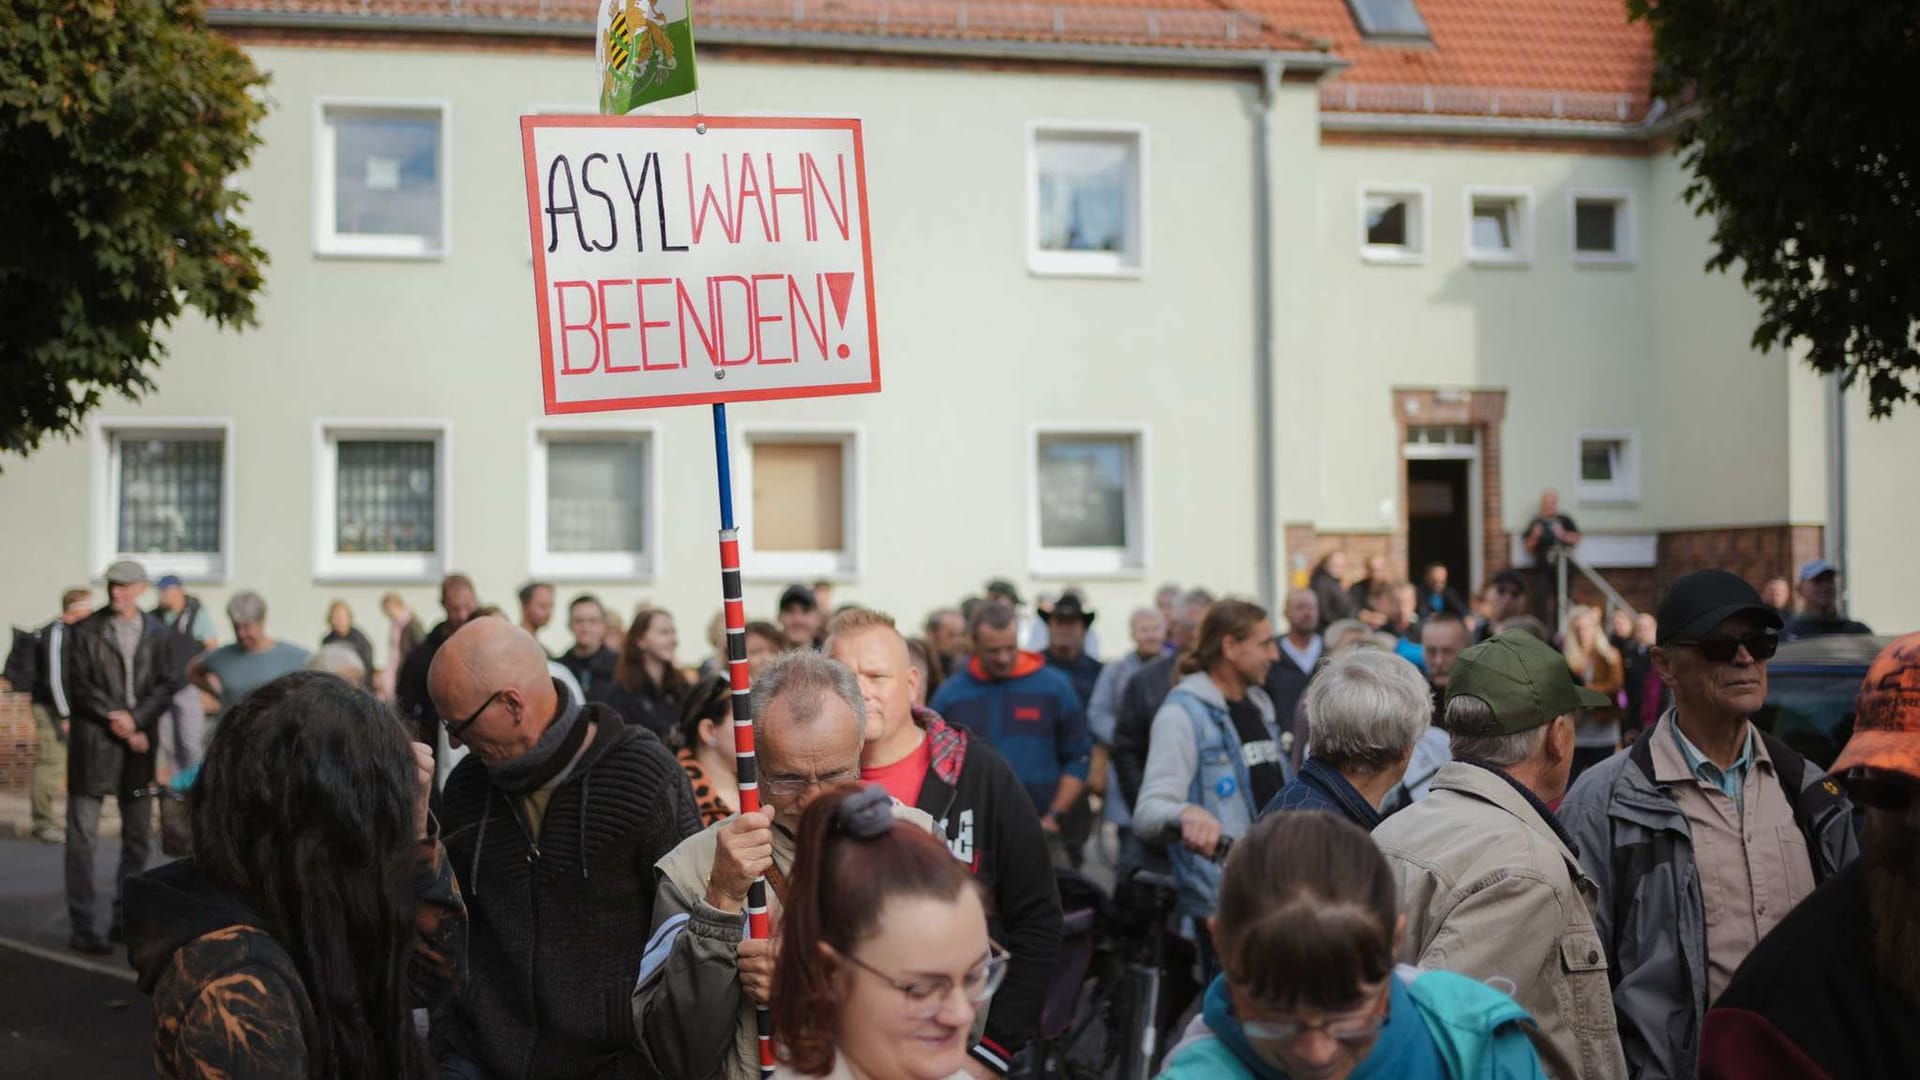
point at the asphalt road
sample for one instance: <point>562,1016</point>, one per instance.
<point>63,1015</point>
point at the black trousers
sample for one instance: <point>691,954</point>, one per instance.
<point>83,835</point>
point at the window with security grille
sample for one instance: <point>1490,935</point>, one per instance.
<point>1085,483</point>
<point>596,495</point>
<point>169,493</point>
<point>385,496</point>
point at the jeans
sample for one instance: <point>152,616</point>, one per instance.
<point>49,771</point>
<point>455,1067</point>
<point>83,834</point>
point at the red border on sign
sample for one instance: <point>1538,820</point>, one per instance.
<point>528,124</point>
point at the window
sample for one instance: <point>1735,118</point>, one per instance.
<point>801,513</point>
<point>1393,224</point>
<point>1499,227</point>
<point>1609,467</point>
<point>1389,19</point>
<point>164,495</point>
<point>1088,513</point>
<point>592,506</point>
<point>381,182</point>
<point>1602,228</point>
<point>1086,200</point>
<point>383,501</point>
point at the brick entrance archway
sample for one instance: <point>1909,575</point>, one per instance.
<point>1484,411</point>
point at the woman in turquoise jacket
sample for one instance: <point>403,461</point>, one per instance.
<point>1306,931</point>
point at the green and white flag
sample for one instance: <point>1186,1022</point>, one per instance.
<point>645,48</point>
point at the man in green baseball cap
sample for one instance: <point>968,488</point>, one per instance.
<point>1490,884</point>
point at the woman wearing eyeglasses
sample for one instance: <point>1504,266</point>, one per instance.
<point>1307,929</point>
<point>885,959</point>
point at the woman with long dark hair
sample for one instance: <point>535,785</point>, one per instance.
<point>885,961</point>
<point>317,908</point>
<point>706,749</point>
<point>647,685</point>
<point>1307,929</point>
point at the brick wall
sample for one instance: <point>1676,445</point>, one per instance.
<point>1756,553</point>
<point>19,745</point>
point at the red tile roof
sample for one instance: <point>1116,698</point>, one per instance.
<point>1577,59</point>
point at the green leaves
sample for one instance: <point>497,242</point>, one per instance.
<point>1801,129</point>
<point>120,124</point>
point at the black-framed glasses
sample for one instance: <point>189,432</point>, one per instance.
<point>454,731</point>
<point>1723,650</point>
<point>927,993</point>
<point>1880,789</point>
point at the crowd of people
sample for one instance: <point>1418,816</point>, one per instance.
<point>1410,836</point>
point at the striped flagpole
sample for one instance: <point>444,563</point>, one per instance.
<point>736,616</point>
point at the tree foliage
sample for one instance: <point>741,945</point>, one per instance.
<point>1798,121</point>
<point>120,123</point>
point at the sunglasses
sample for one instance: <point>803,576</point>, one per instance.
<point>1881,790</point>
<point>1723,650</point>
<point>454,731</point>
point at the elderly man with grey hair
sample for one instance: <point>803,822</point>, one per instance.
<point>1489,882</point>
<point>1365,710</point>
<point>339,659</point>
<point>699,981</point>
<point>252,660</point>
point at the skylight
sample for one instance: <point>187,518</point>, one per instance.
<point>1389,19</point>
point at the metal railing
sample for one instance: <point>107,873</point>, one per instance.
<point>1615,602</point>
<point>1342,96</point>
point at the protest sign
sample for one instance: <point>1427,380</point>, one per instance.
<point>677,266</point>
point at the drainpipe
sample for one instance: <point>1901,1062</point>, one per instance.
<point>1836,536</point>
<point>1267,533</point>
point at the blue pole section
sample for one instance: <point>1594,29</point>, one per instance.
<point>725,465</point>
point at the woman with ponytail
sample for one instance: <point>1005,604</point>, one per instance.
<point>885,963</point>
<point>317,909</point>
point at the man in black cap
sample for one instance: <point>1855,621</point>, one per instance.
<point>800,618</point>
<point>1706,831</point>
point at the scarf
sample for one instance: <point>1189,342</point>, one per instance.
<point>552,753</point>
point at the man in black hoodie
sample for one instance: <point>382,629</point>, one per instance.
<point>553,824</point>
<point>979,807</point>
<point>411,695</point>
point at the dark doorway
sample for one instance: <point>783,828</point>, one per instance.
<point>1439,523</point>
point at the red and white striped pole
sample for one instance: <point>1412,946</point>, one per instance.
<point>758,924</point>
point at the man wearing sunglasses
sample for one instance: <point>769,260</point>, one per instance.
<point>1835,989</point>
<point>1704,833</point>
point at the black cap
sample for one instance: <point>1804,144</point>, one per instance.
<point>1511,578</point>
<point>1004,588</point>
<point>798,596</point>
<point>1069,606</point>
<point>1702,600</point>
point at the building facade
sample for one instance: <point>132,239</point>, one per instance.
<point>1188,293</point>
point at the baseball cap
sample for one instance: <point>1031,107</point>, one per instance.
<point>1886,723</point>
<point>1069,606</point>
<point>170,581</point>
<point>1525,681</point>
<point>1816,568</point>
<point>798,596</point>
<point>126,572</point>
<point>1005,588</point>
<point>1702,600</point>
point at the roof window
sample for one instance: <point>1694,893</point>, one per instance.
<point>1389,20</point>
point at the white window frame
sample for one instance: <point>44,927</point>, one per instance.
<point>1626,248</point>
<point>642,566</point>
<point>1521,254</point>
<point>1422,226</point>
<point>328,243</point>
<point>1129,562</point>
<point>1624,489</point>
<point>1087,263</point>
<point>330,564</point>
<point>211,567</point>
<point>782,566</point>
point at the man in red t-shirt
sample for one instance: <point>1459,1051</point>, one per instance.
<point>979,807</point>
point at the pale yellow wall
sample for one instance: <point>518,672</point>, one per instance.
<point>1882,518</point>
<point>975,348</point>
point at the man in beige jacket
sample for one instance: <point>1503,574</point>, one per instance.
<point>1489,882</point>
<point>699,982</point>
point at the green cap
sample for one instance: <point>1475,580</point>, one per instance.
<point>1524,680</point>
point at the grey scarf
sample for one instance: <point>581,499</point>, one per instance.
<point>553,753</point>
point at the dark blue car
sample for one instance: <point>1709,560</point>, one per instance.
<point>1811,686</point>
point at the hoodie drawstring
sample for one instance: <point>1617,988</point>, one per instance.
<point>586,794</point>
<point>486,810</point>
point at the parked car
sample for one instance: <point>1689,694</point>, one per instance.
<point>1811,687</point>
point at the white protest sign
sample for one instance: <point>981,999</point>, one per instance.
<point>676,267</point>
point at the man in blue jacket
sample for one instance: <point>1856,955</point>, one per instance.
<point>1025,709</point>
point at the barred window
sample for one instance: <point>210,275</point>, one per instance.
<point>385,496</point>
<point>169,493</point>
<point>596,495</point>
<point>1083,491</point>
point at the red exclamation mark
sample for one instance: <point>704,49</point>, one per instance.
<point>840,288</point>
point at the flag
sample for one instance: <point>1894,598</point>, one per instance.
<point>645,48</point>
